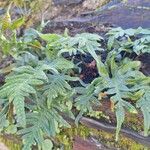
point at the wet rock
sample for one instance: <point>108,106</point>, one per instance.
<point>2,11</point>
<point>127,15</point>
<point>142,3</point>
<point>3,147</point>
<point>131,14</point>
<point>88,144</point>
<point>76,26</point>
<point>66,2</point>
<point>145,59</point>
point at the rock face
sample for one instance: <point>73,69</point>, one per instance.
<point>87,144</point>
<point>3,147</point>
<point>129,14</point>
<point>66,2</point>
<point>142,3</point>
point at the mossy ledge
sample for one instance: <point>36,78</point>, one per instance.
<point>11,141</point>
<point>90,128</point>
<point>67,138</point>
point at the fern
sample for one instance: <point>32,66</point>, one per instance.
<point>57,86</point>
<point>119,80</point>
<point>4,122</point>
<point>86,98</point>
<point>7,19</point>
<point>142,45</point>
<point>50,94</point>
<point>83,43</point>
<point>41,123</point>
<point>52,46</point>
<point>42,93</point>
<point>21,85</point>
<point>62,64</point>
<point>116,83</point>
<point>144,104</point>
<point>129,40</point>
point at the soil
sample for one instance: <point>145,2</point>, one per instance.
<point>145,59</point>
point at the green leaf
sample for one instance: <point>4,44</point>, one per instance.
<point>120,114</point>
<point>7,19</point>
<point>20,110</point>
<point>144,105</point>
<point>56,87</point>
<point>62,63</point>
<point>11,129</point>
<point>118,81</point>
<point>20,85</point>
<point>129,40</point>
<point>17,23</point>
<point>130,107</point>
<point>49,37</point>
<point>47,145</point>
<point>83,43</point>
<point>110,42</point>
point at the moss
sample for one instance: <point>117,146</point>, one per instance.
<point>66,138</point>
<point>134,122</point>
<point>10,143</point>
<point>98,115</point>
<point>123,143</point>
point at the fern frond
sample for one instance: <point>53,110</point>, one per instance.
<point>117,81</point>
<point>21,85</point>
<point>7,19</point>
<point>86,100</point>
<point>144,105</point>
<point>118,87</point>
<point>57,86</point>
<point>122,40</point>
<point>3,117</point>
<point>41,123</point>
<point>62,64</point>
<point>83,43</point>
